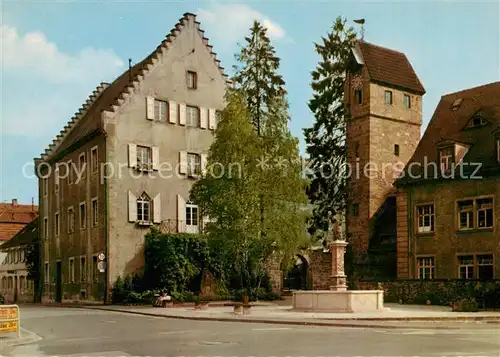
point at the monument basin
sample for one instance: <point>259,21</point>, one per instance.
<point>338,301</point>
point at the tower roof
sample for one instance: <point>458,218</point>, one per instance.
<point>388,66</point>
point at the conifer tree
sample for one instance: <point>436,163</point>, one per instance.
<point>326,139</point>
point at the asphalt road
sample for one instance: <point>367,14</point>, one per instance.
<point>80,332</point>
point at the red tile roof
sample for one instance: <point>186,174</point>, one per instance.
<point>448,125</point>
<point>390,67</point>
<point>13,218</point>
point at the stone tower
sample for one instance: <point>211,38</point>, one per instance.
<point>384,97</point>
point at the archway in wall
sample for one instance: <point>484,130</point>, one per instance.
<point>296,277</point>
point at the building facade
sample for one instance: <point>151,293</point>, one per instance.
<point>14,283</point>
<point>449,196</point>
<point>127,161</point>
<point>383,97</point>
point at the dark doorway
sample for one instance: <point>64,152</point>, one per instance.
<point>16,281</point>
<point>58,282</point>
<point>296,277</point>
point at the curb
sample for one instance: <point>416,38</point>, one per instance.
<point>33,337</point>
<point>312,322</point>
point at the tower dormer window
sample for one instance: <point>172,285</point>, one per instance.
<point>407,101</point>
<point>358,96</point>
<point>388,97</point>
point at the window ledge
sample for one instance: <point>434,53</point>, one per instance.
<point>144,223</point>
<point>475,230</point>
<point>425,234</point>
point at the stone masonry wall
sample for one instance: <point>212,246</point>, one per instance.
<point>321,270</point>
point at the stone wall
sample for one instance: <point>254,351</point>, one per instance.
<point>321,269</point>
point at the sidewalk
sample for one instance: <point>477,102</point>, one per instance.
<point>393,316</point>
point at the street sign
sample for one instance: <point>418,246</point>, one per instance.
<point>9,319</point>
<point>101,256</point>
<point>101,266</point>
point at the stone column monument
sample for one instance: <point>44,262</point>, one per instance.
<point>337,249</point>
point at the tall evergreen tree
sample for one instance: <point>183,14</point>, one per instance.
<point>258,78</point>
<point>326,139</point>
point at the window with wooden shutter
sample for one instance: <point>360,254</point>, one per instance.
<point>173,113</point>
<point>157,209</point>
<point>132,207</point>
<point>150,108</point>
<point>155,150</point>
<point>182,114</point>
<point>182,162</point>
<point>181,209</point>
<point>203,164</point>
<point>212,119</point>
<point>203,118</point>
<point>132,155</point>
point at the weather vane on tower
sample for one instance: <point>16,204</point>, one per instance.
<point>362,23</point>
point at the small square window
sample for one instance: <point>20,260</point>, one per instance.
<point>95,213</point>
<point>56,233</point>
<point>192,80</point>
<point>193,164</point>
<point>407,101</point>
<point>94,160</point>
<point>396,149</point>
<point>192,116</point>
<point>466,267</point>
<point>83,216</point>
<point>466,215</point>
<point>71,220</point>
<point>358,96</point>
<point>46,273</point>
<point>388,97</point>
<point>83,269</point>
<point>425,267</point>
<point>56,180</point>
<point>161,110</point>
<point>82,164</point>
<point>425,218</point>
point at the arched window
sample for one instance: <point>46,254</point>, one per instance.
<point>21,283</point>
<point>4,283</point>
<point>11,283</point>
<point>143,208</point>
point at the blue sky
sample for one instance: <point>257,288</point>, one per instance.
<point>54,53</point>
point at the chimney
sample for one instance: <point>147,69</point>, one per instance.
<point>14,202</point>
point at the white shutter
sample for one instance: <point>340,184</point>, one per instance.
<point>182,114</point>
<point>173,112</point>
<point>211,119</point>
<point>182,162</point>
<point>181,214</point>
<point>132,155</point>
<point>155,151</point>
<point>150,108</point>
<point>203,160</point>
<point>157,209</point>
<point>132,207</point>
<point>203,117</point>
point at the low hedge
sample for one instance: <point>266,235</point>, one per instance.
<point>438,292</point>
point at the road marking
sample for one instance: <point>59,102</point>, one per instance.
<point>272,329</point>
<point>109,321</point>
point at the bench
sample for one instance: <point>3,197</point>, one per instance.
<point>240,308</point>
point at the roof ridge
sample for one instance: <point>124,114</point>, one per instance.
<point>385,48</point>
<point>91,99</point>
<point>470,89</point>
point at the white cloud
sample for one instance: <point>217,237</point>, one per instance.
<point>43,86</point>
<point>231,22</point>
